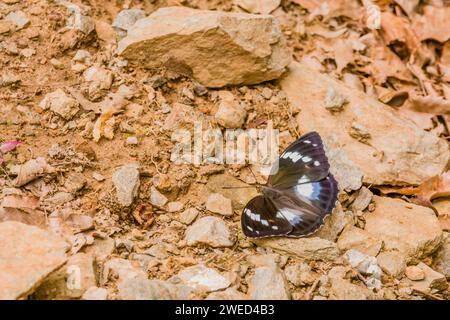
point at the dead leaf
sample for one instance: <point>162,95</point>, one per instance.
<point>409,6</point>
<point>104,127</point>
<point>433,24</point>
<point>30,170</point>
<point>332,8</point>
<point>343,54</point>
<point>258,6</point>
<point>435,187</point>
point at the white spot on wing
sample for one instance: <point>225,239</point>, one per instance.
<point>316,163</point>
<point>306,141</point>
<point>306,159</point>
<point>294,217</point>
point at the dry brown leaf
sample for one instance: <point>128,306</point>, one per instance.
<point>258,6</point>
<point>409,6</point>
<point>397,33</point>
<point>343,54</point>
<point>104,127</point>
<point>30,170</point>
<point>386,64</point>
<point>433,24</point>
<point>435,187</point>
<point>332,8</point>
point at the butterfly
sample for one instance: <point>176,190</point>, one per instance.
<point>300,192</point>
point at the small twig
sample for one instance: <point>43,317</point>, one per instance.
<point>310,291</point>
<point>427,295</point>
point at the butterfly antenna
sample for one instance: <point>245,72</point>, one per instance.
<point>238,187</point>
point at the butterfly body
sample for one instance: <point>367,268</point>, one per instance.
<point>299,193</point>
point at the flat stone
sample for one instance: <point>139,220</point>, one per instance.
<point>140,288</point>
<point>126,182</point>
<point>157,198</point>
<point>334,224</point>
<point>19,18</point>
<point>268,283</point>
<point>230,114</point>
<point>227,294</point>
<point>388,159</point>
<point>304,248</point>
<point>411,229</point>
<point>99,81</point>
<point>174,206</point>
<point>362,200</point>
<point>125,19</point>
<point>414,273</point>
<point>348,175</point>
<point>216,48</point>
<point>201,278</point>
<point>392,262</point>
<point>217,203</point>
<point>432,280</point>
<point>299,274</point>
<point>69,282</point>
<point>342,289</point>
<point>355,238</point>
<point>210,231</point>
<point>61,104</point>
<point>27,256</point>
<point>188,216</point>
<point>441,262</point>
<point>95,293</point>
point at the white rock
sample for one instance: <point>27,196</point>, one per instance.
<point>210,231</point>
<point>188,216</point>
<point>157,198</point>
<point>132,141</point>
<point>99,80</point>
<point>175,206</point>
<point>61,104</point>
<point>200,277</point>
<point>230,114</point>
<point>19,18</point>
<point>268,283</point>
<point>126,182</point>
<point>362,200</point>
<point>217,203</point>
<point>126,19</point>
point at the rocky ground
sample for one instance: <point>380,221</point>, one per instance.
<point>93,206</point>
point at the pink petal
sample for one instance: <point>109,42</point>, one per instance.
<point>9,146</point>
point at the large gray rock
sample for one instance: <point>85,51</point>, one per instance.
<point>411,229</point>
<point>27,256</point>
<point>216,48</point>
<point>397,152</point>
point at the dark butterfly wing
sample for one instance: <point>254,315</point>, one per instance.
<point>302,162</point>
<point>260,219</point>
<point>305,206</point>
